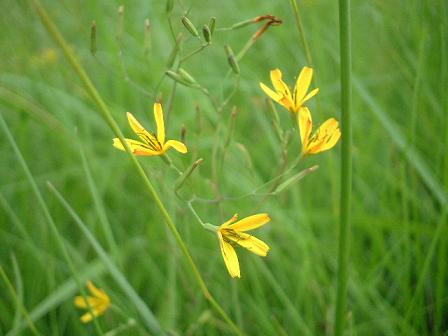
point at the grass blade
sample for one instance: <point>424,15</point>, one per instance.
<point>146,314</point>
<point>19,303</point>
<point>46,212</point>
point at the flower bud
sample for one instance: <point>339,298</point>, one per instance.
<point>211,25</point>
<point>232,59</point>
<point>93,38</point>
<point>190,26</point>
<point>186,76</point>
<point>169,6</point>
<point>207,34</point>
<point>181,79</point>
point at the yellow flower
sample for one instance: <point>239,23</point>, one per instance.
<point>153,144</point>
<point>98,303</point>
<point>282,93</point>
<point>326,136</point>
<point>233,232</point>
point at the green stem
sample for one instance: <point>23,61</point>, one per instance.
<point>106,114</point>
<point>346,166</point>
<point>206,226</point>
<point>301,32</point>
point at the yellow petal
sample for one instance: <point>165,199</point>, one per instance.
<point>137,147</point>
<point>310,95</point>
<point>97,292</point>
<point>80,302</point>
<point>247,241</point>
<point>230,221</point>
<point>140,130</point>
<point>177,145</point>
<point>305,126</point>
<point>230,257</point>
<point>302,84</point>
<point>326,137</point>
<point>158,115</point>
<point>288,104</point>
<point>250,223</point>
<point>89,316</point>
<point>279,85</point>
<point>273,95</point>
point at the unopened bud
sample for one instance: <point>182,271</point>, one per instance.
<point>295,178</point>
<point>232,59</point>
<point>169,6</point>
<point>93,38</point>
<point>147,37</point>
<point>211,24</point>
<point>147,25</point>
<point>183,133</point>
<point>207,34</point>
<point>178,78</point>
<point>190,26</point>
<point>173,75</point>
<point>120,22</point>
<point>186,76</point>
<point>185,175</point>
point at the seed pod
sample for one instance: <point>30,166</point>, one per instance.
<point>207,34</point>
<point>232,59</point>
<point>186,76</point>
<point>190,26</point>
<point>211,25</point>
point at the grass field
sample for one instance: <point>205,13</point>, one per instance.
<point>73,208</point>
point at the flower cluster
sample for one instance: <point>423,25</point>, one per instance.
<point>233,232</point>
<point>96,304</point>
<point>327,135</point>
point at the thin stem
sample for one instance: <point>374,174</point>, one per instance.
<point>346,166</point>
<point>194,52</point>
<point>106,114</point>
<point>301,32</point>
<point>206,226</point>
<point>254,191</point>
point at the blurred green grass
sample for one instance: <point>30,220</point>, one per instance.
<point>400,69</point>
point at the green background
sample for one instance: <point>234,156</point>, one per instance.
<point>398,255</point>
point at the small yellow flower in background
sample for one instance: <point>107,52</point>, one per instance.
<point>282,94</point>
<point>326,136</point>
<point>98,302</point>
<point>153,144</point>
<point>44,57</point>
<point>233,232</point>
